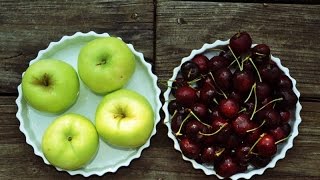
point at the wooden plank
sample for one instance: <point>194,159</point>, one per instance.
<point>28,27</point>
<point>292,32</point>
<point>160,160</point>
<point>266,1</point>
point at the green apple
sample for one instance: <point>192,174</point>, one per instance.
<point>106,64</point>
<point>50,85</point>
<point>125,119</point>
<point>70,142</point>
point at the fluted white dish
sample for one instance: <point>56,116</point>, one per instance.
<point>209,51</point>
<point>108,159</point>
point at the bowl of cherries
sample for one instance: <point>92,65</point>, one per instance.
<point>231,108</point>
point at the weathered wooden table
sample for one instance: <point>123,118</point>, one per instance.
<point>165,31</point>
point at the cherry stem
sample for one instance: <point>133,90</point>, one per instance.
<point>254,145</point>
<point>179,131</point>
<point>225,96</point>
<point>219,152</point>
<point>215,101</point>
<point>174,113</point>
<point>281,140</point>
<point>217,131</point>
<point>235,58</point>
<point>250,130</point>
<point>194,80</point>
<point>242,110</point>
<point>194,115</point>
<point>275,100</point>
<point>216,49</point>
<point>244,60</point>
<point>255,67</point>
<point>254,85</point>
<point>255,101</point>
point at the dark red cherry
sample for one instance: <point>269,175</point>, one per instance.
<point>207,94</point>
<point>190,148</point>
<point>229,108</point>
<point>289,98</point>
<point>253,136</point>
<point>240,43</point>
<point>200,110</point>
<point>270,72</point>
<point>227,167</point>
<point>242,124</point>
<point>202,62</point>
<point>263,90</point>
<point>236,96</point>
<point>217,62</point>
<point>284,82</point>
<point>190,70</point>
<point>243,154</point>
<point>208,155</point>
<point>266,147</point>
<point>260,54</point>
<point>172,106</point>
<point>176,121</point>
<point>259,162</point>
<point>285,116</point>
<point>178,82</point>
<point>243,81</point>
<point>186,96</point>
<point>192,128</point>
<point>223,78</point>
<point>272,118</point>
<point>278,133</point>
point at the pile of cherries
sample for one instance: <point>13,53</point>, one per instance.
<point>232,111</point>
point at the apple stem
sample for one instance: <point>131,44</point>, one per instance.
<point>216,132</point>
<point>235,58</point>
<point>255,67</point>
<point>275,100</point>
<point>250,130</point>
<point>194,115</point>
<point>254,145</point>
<point>179,131</point>
<point>281,140</point>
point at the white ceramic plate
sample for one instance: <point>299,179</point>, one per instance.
<point>208,50</point>
<point>108,159</point>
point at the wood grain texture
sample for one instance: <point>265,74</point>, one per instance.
<point>292,36</point>
<point>160,160</point>
<point>27,27</point>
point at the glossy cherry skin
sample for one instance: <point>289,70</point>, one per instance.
<point>229,108</point>
<point>243,81</point>
<point>260,54</point>
<point>284,82</point>
<point>240,43</point>
<point>186,96</point>
<point>266,146</point>
<point>190,148</point>
<point>223,78</point>
<point>242,124</point>
<point>227,167</point>
<point>217,62</point>
<point>202,62</point>
<point>190,70</point>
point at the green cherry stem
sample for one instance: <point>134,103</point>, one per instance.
<point>254,145</point>
<point>217,131</point>
<point>184,120</point>
<point>225,96</point>
<point>255,101</point>
<point>253,87</point>
<point>281,140</point>
<point>235,58</point>
<point>250,130</point>
<point>194,115</point>
<point>275,100</point>
<point>255,67</point>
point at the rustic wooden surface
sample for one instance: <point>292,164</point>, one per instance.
<point>165,31</point>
